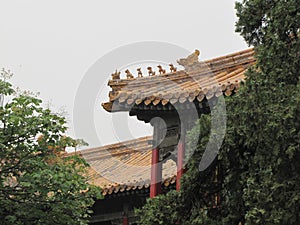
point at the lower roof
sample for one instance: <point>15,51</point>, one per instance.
<point>124,166</point>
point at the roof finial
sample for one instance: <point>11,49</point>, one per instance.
<point>150,71</point>
<point>128,74</point>
<point>116,75</point>
<point>140,74</point>
<point>190,60</point>
<point>161,70</point>
<point>172,68</point>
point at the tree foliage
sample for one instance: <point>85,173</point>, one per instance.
<point>260,155</point>
<point>160,210</point>
<point>38,185</point>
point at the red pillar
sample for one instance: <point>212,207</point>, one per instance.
<point>125,220</point>
<point>125,214</point>
<point>156,173</point>
<point>180,159</point>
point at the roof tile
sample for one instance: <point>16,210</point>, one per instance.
<point>214,77</point>
<point>124,166</point>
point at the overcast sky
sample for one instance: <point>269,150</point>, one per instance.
<point>50,45</point>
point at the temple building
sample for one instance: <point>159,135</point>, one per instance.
<point>171,101</point>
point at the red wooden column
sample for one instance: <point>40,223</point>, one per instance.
<point>156,165</point>
<point>156,174</point>
<point>180,157</point>
<point>125,215</point>
<point>125,220</point>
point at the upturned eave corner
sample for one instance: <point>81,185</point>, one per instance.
<point>107,106</point>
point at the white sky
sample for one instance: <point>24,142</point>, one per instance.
<point>50,45</point>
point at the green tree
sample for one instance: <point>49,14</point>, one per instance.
<point>162,209</point>
<point>260,156</point>
<point>38,183</point>
<point>265,139</point>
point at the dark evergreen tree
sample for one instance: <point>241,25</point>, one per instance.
<point>260,156</point>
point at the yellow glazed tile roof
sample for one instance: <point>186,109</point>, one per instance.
<point>127,165</point>
<point>205,80</point>
<point>124,166</point>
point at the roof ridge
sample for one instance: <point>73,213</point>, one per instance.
<point>215,60</point>
<point>217,76</point>
<point>109,146</point>
<point>248,50</point>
